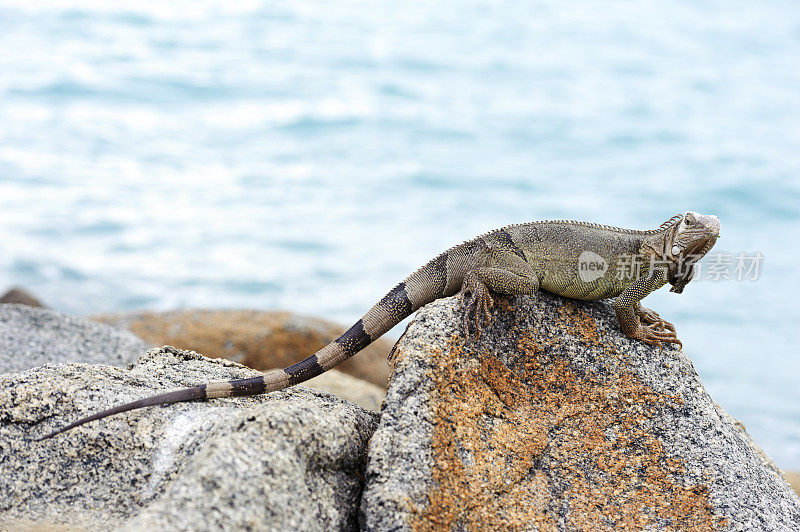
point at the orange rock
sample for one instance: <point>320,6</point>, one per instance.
<point>794,480</point>
<point>553,419</point>
<point>258,339</point>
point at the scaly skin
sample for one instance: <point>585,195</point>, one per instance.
<point>518,259</point>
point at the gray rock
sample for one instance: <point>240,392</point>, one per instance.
<point>290,460</point>
<point>31,337</point>
<point>552,419</point>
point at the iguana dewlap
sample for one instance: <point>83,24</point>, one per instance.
<point>579,260</point>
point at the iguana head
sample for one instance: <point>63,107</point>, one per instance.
<point>685,242</point>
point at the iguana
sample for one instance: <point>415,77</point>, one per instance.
<point>578,260</point>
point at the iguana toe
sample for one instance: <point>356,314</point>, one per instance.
<point>476,300</point>
<point>656,334</point>
<point>651,317</point>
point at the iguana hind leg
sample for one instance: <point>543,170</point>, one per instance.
<point>475,300</point>
<point>506,274</point>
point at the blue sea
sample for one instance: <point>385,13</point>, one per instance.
<point>308,155</point>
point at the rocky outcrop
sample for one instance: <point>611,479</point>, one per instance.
<point>290,460</point>
<point>257,339</point>
<point>18,296</point>
<point>552,419</point>
<point>31,337</point>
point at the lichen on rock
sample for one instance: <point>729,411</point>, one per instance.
<point>552,419</point>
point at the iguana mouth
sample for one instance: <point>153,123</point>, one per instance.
<point>700,247</point>
<point>708,243</point>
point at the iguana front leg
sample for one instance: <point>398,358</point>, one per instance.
<point>629,310</point>
<point>505,273</point>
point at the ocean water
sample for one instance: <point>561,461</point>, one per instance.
<point>308,155</point>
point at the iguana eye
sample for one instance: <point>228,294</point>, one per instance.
<point>688,219</point>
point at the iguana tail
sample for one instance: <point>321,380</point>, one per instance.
<point>420,288</point>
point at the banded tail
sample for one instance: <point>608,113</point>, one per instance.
<point>427,284</point>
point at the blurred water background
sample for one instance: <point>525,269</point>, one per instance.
<point>308,155</point>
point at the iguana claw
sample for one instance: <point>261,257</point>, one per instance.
<point>657,333</point>
<point>475,299</point>
<point>651,317</point>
